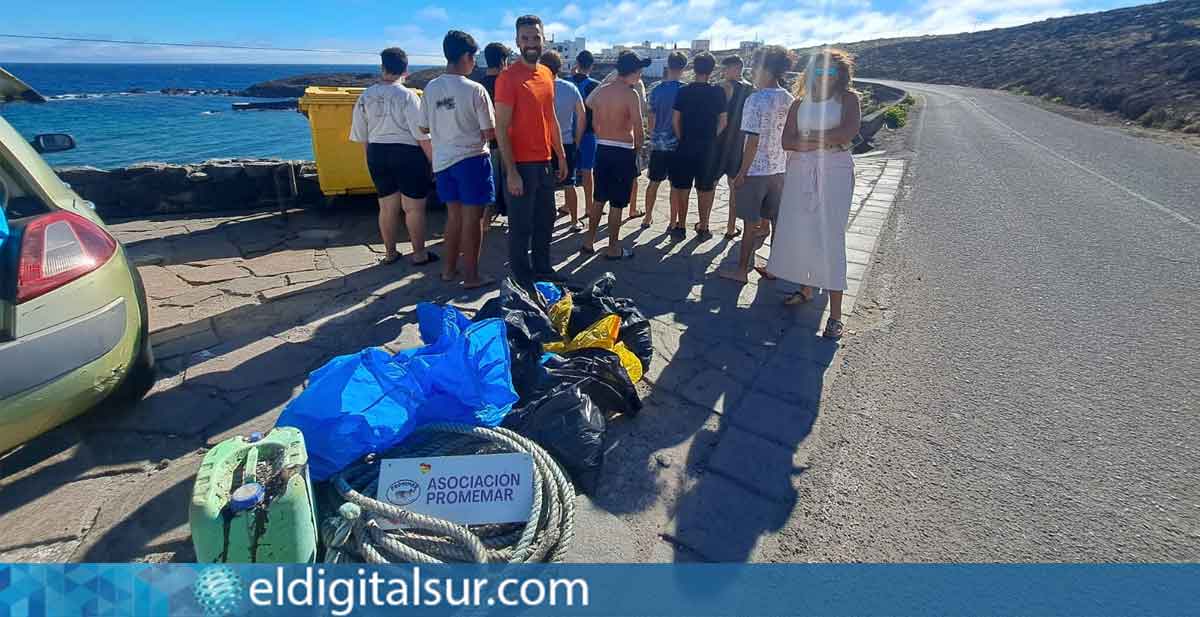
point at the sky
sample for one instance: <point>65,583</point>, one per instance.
<point>358,28</point>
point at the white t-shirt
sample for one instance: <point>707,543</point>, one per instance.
<point>765,114</point>
<point>387,114</point>
<point>457,110</point>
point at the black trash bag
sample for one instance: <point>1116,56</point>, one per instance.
<point>565,421</point>
<point>599,374</point>
<point>595,302</point>
<point>528,327</point>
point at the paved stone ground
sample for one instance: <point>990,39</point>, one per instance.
<point>242,307</point>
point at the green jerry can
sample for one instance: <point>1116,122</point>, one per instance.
<point>253,501</point>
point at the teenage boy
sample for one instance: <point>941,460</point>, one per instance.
<point>662,131</point>
<point>459,119</point>
<point>731,141</point>
<point>585,152</point>
<point>529,137</point>
<point>386,119</point>
<point>496,55</point>
<point>571,116</point>
<point>759,181</point>
<point>617,119</point>
<point>699,116</point>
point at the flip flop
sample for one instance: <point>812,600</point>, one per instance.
<point>387,261</point>
<point>625,254</point>
<point>762,271</point>
<point>430,257</point>
<point>798,298</point>
<point>733,234</point>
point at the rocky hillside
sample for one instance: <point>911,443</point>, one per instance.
<point>1141,62</point>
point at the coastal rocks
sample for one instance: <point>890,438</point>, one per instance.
<point>194,91</point>
<point>293,87</point>
<point>221,184</point>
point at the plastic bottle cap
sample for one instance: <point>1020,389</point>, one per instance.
<point>246,496</point>
<point>255,436</point>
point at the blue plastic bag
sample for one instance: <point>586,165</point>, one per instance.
<point>371,401</point>
<point>549,292</point>
<point>464,369</point>
<point>354,405</point>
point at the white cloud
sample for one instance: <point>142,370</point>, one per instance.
<point>750,7</point>
<point>795,23</point>
<point>433,13</point>
<point>558,29</point>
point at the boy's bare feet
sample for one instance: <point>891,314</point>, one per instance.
<point>481,281</point>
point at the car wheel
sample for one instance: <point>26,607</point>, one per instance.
<point>141,376</point>
<point>143,372</point>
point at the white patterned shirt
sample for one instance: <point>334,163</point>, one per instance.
<point>764,115</point>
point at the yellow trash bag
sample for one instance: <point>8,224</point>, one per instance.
<point>560,314</point>
<point>602,335</point>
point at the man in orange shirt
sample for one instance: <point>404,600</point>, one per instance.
<point>528,133</point>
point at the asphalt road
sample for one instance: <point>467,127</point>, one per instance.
<point>1024,382</point>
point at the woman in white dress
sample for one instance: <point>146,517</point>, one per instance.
<point>809,247</point>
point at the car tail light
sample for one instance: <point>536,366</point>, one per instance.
<point>58,248</point>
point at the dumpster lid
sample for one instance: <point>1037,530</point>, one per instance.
<point>336,95</point>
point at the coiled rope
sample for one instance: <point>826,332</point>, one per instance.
<point>355,535</point>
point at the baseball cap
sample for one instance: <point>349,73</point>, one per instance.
<point>628,62</point>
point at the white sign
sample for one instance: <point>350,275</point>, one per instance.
<point>469,490</point>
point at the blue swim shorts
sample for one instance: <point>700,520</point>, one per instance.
<point>468,182</point>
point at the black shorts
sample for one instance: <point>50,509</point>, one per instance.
<point>615,171</point>
<point>694,167</point>
<point>660,163</point>
<point>399,168</point>
<point>572,160</point>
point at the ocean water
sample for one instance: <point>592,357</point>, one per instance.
<point>114,127</point>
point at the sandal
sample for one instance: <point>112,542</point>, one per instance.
<point>703,234</point>
<point>733,234</point>
<point>625,254</point>
<point>762,271</point>
<point>387,261</point>
<point>430,257</point>
<point>587,250</point>
<point>833,329</point>
<point>804,296</point>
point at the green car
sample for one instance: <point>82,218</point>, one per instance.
<point>73,324</point>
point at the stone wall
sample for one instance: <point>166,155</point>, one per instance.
<point>219,184</point>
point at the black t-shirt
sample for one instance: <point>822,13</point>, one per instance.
<point>585,85</point>
<point>700,107</point>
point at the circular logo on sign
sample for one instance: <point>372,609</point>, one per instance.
<point>403,492</point>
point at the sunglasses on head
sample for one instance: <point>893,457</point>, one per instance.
<point>825,72</point>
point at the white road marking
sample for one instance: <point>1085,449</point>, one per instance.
<point>1160,207</point>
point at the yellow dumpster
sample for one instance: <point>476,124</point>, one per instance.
<point>341,163</point>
